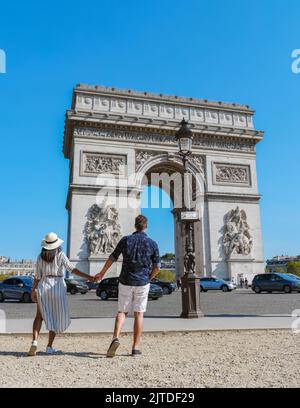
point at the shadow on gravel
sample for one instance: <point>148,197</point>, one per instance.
<point>13,353</point>
<point>91,355</point>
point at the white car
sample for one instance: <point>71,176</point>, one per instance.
<point>216,284</point>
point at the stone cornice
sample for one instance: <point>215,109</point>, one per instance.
<point>232,197</point>
<point>133,94</point>
<point>165,112</point>
<point>93,127</point>
<point>208,196</point>
<point>95,106</point>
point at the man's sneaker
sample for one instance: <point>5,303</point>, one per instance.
<point>33,349</point>
<point>136,353</point>
<point>50,350</point>
<point>111,352</point>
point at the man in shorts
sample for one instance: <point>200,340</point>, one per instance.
<point>141,264</point>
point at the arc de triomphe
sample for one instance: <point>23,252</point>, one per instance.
<point>116,140</point>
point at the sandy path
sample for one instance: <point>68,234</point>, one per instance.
<point>209,359</point>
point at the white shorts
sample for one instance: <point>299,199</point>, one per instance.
<point>135,297</point>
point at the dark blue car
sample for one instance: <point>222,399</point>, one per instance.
<point>16,288</point>
<point>275,282</point>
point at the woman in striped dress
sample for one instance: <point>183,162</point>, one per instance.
<point>49,291</point>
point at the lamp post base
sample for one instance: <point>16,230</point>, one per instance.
<point>190,291</point>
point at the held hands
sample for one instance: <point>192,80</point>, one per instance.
<point>98,277</point>
<point>95,278</point>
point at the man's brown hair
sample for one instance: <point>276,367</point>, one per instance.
<point>141,223</point>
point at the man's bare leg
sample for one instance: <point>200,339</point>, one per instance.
<point>137,329</point>
<point>120,319</point>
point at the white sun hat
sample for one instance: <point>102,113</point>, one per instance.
<point>51,241</point>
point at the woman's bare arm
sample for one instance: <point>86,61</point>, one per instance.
<point>82,274</point>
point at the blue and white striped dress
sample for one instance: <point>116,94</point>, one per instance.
<point>52,292</point>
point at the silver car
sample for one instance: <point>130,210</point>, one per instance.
<point>216,284</point>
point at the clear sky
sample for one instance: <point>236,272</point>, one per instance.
<point>233,50</point>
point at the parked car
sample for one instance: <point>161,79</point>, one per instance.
<point>216,284</point>
<point>17,288</point>
<point>167,287</point>
<point>109,288</point>
<point>92,285</point>
<point>275,282</point>
<point>155,292</point>
<point>76,286</point>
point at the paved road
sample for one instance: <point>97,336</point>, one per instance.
<point>239,302</point>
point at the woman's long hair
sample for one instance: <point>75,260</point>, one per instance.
<point>48,255</point>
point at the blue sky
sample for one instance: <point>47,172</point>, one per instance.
<point>236,51</point>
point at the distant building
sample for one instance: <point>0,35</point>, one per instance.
<point>168,261</point>
<point>280,263</point>
<point>16,267</point>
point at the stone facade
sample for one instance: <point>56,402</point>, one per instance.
<point>116,139</point>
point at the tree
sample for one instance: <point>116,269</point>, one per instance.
<point>293,267</point>
<point>168,255</point>
<point>166,276</point>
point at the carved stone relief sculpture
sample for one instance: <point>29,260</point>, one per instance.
<point>142,156</point>
<point>231,174</point>
<point>96,163</point>
<point>237,238</point>
<point>102,229</point>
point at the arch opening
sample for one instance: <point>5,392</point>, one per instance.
<point>161,200</point>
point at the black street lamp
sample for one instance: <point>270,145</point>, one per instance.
<point>190,281</point>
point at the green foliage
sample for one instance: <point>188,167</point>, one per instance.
<point>3,277</point>
<point>294,267</point>
<point>168,255</point>
<point>166,275</point>
<point>280,269</point>
<point>276,269</point>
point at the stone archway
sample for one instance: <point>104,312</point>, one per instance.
<point>114,138</point>
<point>165,171</point>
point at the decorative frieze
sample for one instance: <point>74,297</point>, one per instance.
<point>93,163</point>
<point>117,104</point>
<point>143,137</point>
<point>232,174</point>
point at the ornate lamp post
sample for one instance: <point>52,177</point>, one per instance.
<point>190,281</point>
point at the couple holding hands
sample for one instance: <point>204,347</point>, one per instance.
<point>140,265</point>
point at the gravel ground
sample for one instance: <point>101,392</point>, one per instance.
<point>207,359</point>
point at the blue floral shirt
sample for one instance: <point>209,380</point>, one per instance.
<point>140,255</point>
